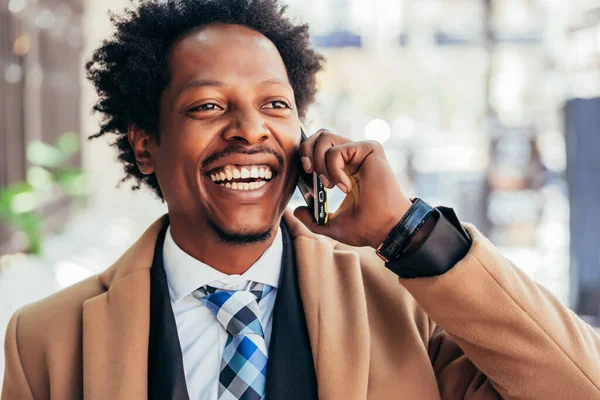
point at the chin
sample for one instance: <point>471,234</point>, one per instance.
<point>249,227</point>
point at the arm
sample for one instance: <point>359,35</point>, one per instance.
<point>15,384</point>
<point>457,377</point>
<point>490,315</point>
<point>513,331</point>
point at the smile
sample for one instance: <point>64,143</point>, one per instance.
<point>246,177</point>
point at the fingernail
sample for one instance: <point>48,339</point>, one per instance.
<point>306,164</point>
<point>324,180</point>
<point>342,188</point>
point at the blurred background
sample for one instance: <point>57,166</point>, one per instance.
<point>488,106</point>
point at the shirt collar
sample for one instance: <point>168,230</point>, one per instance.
<point>186,274</point>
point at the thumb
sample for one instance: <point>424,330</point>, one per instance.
<point>304,214</point>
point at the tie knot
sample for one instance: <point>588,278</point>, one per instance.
<point>236,310</point>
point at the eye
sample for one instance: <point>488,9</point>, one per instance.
<point>206,107</point>
<point>277,105</point>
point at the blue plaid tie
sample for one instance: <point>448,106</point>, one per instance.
<point>244,364</point>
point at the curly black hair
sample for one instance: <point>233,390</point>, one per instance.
<point>130,70</point>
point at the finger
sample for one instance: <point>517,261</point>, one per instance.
<point>307,148</point>
<point>322,145</point>
<point>304,214</point>
<point>336,159</point>
<point>355,156</point>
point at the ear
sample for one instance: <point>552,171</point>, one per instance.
<point>140,142</point>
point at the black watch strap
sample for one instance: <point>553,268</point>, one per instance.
<point>402,233</point>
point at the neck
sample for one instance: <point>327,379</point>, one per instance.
<point>201,242</point>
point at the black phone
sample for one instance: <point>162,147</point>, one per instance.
<point>313,190</point>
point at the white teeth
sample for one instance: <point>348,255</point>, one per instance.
<point>244,185</point>
<point>231,172</point>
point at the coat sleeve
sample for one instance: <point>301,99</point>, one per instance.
<point>15,385</point>
<point>500,334</point>
<point>458,378</point>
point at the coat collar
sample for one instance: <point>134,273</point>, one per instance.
<point>116,323</point>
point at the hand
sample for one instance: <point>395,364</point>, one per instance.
<point>374,201</point>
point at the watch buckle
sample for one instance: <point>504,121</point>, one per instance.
<point>381,255</point>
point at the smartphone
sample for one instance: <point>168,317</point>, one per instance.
<point>313,190</point>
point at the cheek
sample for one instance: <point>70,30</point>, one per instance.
<point>178,160</point>
<point>292,171</point>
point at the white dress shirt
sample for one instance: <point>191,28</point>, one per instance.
<point>201,336</point>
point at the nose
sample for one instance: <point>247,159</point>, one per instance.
<point>248,127</point>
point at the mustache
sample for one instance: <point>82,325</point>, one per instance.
<point>239,149</point>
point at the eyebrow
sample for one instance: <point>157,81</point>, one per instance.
<point>213,83</point>
<point>200,83</point>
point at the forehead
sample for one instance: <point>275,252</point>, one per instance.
<point>226,53</point>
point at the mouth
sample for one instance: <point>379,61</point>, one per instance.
<point>242,177</point>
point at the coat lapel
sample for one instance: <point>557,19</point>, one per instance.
<point>166,376</point>
<point>290,372</point>
<point>116,326</point>
<point>335,307</point>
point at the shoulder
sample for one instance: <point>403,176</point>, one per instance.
<point>49,330</point>
<point>57,310</point>
<point>59,313</point>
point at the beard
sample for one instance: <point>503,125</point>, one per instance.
<point>240,238</point>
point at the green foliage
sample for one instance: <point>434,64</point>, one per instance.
<point>20,202</point>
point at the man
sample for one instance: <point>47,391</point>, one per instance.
<point>230,296</point>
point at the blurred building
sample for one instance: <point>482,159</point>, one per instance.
<point>41,44</point>
<point>582,124</point>
<point>468,97</point>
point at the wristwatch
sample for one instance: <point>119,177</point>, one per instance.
<point>397,241</point>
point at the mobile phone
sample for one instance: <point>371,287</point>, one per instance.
<point>313,190</point>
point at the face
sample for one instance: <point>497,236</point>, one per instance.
<point>230,132</point>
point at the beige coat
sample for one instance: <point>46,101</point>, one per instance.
<point>372,335</point>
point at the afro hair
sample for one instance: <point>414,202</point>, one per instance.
<point>130,70</point>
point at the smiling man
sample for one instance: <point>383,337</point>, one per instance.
<point>230,296</point>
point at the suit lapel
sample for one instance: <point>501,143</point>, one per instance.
<point>166,377</point>
<point>290,371</point>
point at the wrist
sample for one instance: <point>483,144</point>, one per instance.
<point>401,236</point>
<point>395,215</point>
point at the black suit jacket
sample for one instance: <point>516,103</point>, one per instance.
<point>290,369</point>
